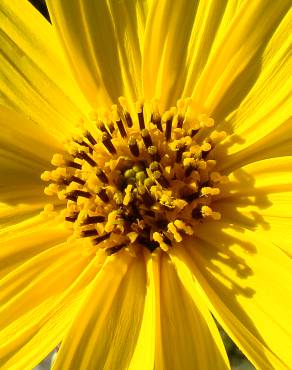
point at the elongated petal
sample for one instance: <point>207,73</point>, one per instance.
<point>189,337</point>
<point>38,301</point>
<point>25,152</point>
<point>144,354</point>
<point>178,40</point>
<point>237,58</point>
<point>261,125</point>
<point>105,332</point>
<point>23,240</point>
<point>34,77</point>
<point>259,197</point>
<point>247,282</point>
<point>103,42</point>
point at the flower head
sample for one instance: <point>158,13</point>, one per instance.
<point>146,157</point>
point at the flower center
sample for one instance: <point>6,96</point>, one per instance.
<point>138,180</point>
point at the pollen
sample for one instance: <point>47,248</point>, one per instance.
<point>137,178</point>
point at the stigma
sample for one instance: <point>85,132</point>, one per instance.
<point>136,177</point>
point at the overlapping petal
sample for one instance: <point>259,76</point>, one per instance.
<point>189,338</point>
<point>259,197</point>
<point>40,297</point>
<point>247,282</point>
<point>103,42</point>
<point>35,79</point>
<point>104,333</point>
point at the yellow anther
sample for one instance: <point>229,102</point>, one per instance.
<point>128,195</point>
<point>183,226</point>
<point>216,177</point>
<point>62,194</point>
<point>58,160</point>
<point>180,203</point>
<point>205,147</point>
<point>111,221</point>
<point>217,136</point>
<point>51,189</point>
<point>208,212</point>
<point>172,229</point>
<point>46,176</point>
<point>189,162</point>
<point>210,191</point>
<point>159,239</point>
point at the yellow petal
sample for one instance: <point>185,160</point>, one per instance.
<point>35,79</point>
<point>262,123</point>
<point>236,61</point>
<point>259,197</point>
<point>105,331</point>
<point>144,354</point>
<point>210,24</point>
<point>38,301</point>
<point>189,337</point>
<point>103,42</point>
<point>23,240</point>
<point>247,282</point>
<point>25,152</point>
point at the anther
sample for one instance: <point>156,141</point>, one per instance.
<point>115,249</point>
<point>90,138</point>
<point>146,138</point>
<point>103,195</point>
<point>93,220</point>
<point>180,120</point>
<point>85,156</point>
<point>128,119</point>
<point>73,217</point>
<point>179,153</point>
<point>139,105</point>
<point>156,120</point>
<point>133,146</point>
<point>106,140</point>
<point>168,129</point>
<point>102,128</point>
<point>121,128</point>
<point>102,176</point>
<point>83,143</point>
<point>74,165</point>
<point>73,195</point>
<point>87,233</point>
<point>101,238</point>
<point>77,180</point>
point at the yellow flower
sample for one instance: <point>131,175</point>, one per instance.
<point>168,196</point>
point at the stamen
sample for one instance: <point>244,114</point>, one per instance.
<point>102,176</point>
<point>134,187</point>
<point>134,147</point>
<point>101,238</point>
<point>93,220</point>
<point>103,195</point>
<point>106,140</point>
<point>90,138</point>
<point>146,138</point>
<point>83,155</point>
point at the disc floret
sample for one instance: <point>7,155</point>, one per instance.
<point>141,179</point>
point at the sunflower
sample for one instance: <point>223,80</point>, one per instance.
<point>145,183</point>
